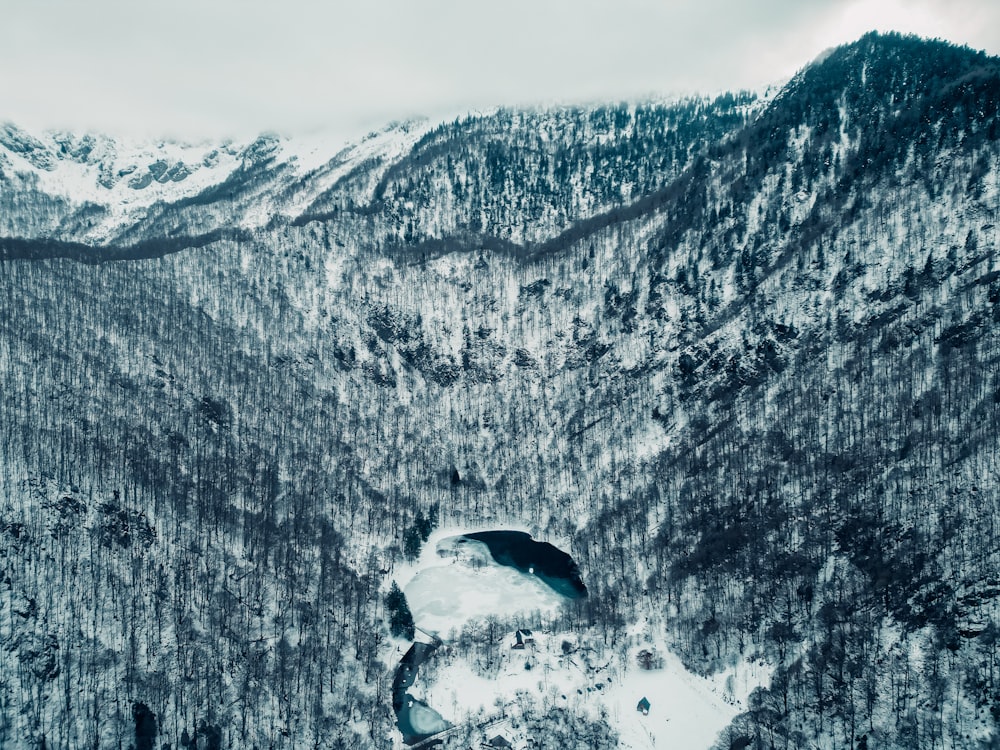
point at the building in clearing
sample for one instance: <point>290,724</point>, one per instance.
<point>643,706</point>
<point>523,638</point>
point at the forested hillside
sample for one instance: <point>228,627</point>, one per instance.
<point>739,356</point>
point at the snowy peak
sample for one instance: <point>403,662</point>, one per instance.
<point>880,74</point>
<point>21,143</point>
<point>99,169</point>
<point>103,190</point>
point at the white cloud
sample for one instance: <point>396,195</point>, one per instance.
<point>240,66</point>
<point>969,22</point>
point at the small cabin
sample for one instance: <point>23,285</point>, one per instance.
<point>523,638</point>
<point>643,706</point>
<point>499,741</point>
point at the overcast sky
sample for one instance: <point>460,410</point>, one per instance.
<point>199,68</point>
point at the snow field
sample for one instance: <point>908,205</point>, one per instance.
<point>687,711</point>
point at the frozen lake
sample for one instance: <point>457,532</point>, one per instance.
<point>464,581</point>
<point>469,583</point>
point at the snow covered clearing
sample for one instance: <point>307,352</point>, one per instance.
<point>457,585</point>
<point>564,670</point>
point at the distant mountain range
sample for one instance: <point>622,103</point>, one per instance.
<point>739,356</point>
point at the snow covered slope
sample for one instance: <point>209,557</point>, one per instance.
<point>739,358</point>
<point>108,188</point>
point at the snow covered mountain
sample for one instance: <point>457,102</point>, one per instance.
<point>737,356</point>
<point>99,192</point>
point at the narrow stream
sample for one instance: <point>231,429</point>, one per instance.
<point>416,720</point>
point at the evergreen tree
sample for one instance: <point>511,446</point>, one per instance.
<point>400,617</point>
